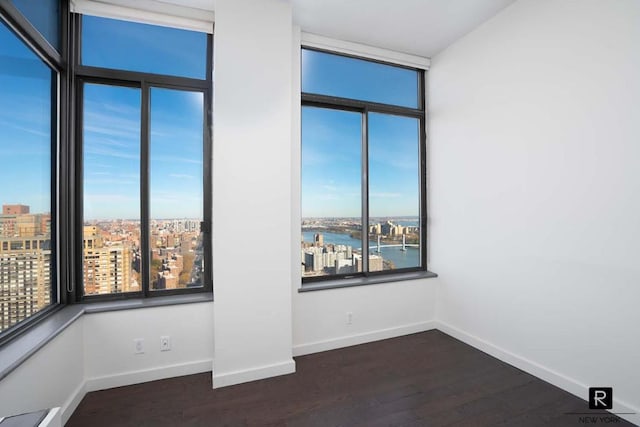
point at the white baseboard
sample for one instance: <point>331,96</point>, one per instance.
<point>142,376</point>
<point>553,377</point>
<point>347,341</point>
<point>72,402</point>
<point>253,374</point>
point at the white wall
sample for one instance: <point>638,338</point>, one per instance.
<point>535,214</point>
<point>379,312</point>
<point>97,351</point>
<point>109,358</point>
<point>252,190</point>
<point>50,378</point>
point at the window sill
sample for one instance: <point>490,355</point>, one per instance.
<point>361,281</point>
<point>130,304</point>
<point>25,345</point>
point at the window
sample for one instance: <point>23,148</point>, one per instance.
<point>105,160</point>
<point>145,144</point>
<point>28,104</point>
<point>111,164</point>
<point>363,168</point>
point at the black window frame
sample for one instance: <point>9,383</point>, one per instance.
<point>66,157</point>
<point>56,60</point>
<point>85,74</point>
<point>364,108</point>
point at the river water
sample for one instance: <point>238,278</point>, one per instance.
<point>401,259</point>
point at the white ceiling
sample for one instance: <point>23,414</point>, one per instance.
<point>419,27</point>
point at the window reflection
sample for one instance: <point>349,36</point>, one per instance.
<point>26,249</point>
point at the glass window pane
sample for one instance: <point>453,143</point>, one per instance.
<point>111,43</point>
<point>341,76</point>
<point>175,189</point>
<point>331,192</point>
<point>111,168</point>
<point>25,173</point>
<point>44,15</point>
<point>394,192</point>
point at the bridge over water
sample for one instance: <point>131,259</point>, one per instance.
<point>404,245</point>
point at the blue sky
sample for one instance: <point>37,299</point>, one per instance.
<point>25,121</point>
<point>112,153</point>
<point>394,174</point>
<point>111,123</point>
<point>336,75</point>
<point>331,140</point>
<point>331,164</point>
<point>141,47</point>
<point>331,151</point>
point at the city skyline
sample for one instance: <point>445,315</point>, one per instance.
<point>334,246</point>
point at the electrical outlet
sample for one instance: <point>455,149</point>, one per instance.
<point>165,343</point>
<point>138,346</point>
<point>349,317</point>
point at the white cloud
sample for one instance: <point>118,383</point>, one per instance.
<point>385,195</point>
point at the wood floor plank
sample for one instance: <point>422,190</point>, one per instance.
<point>425,379</point>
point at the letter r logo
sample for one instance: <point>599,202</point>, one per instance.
<point>600,397</point>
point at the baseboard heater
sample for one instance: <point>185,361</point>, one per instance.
<point>43,418</point>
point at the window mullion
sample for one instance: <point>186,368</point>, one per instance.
<point>423,170</point>
<point>77,139</point>
<point>207,184</point>
<point>145,253</point>
<point>365,193</point>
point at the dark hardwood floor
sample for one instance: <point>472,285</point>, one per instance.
<point>425,379</point>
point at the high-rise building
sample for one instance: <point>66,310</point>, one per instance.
<point>15,209</point>
<point>106,268</point>
<point>313,259</point>
<point>344,266</point>
<point>318,239</point>
<point>25,277</point>
<point>386,228</point>
<point>24,225</point>
<point>329,259</point>
<point>8,225</point>
<point>375,263</point>
<point>308,261</point>
<point>166,280</point>
<point>25,263</point>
